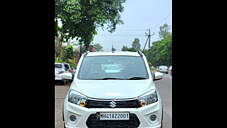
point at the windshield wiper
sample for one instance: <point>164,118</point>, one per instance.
<point>136,78</point>
<point>109,78</point>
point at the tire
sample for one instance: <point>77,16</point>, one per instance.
<point>64,82</point>
<point>68,82</point>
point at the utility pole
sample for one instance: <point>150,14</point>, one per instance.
<point>148,39</point>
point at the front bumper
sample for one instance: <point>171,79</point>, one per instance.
<point>143,114</point>
<point>58,77</point>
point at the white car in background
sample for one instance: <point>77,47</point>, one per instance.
<point>163,69</point>
<point>158,75</point>
<point>61,73</point>
<point>69,69</point>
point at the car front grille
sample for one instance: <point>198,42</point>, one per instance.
<point>117,104</point>
<point>94,122</point>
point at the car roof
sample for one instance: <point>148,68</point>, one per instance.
<point>113,53</point>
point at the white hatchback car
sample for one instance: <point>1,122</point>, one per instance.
<point>112,90</point>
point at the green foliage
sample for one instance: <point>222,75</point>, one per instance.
<point>164,31</point>
<point>58,60</point>
<point>136,44</point>
<point>80,18</point>
<point>132,50</point>
<point>113,49</point>
<point>161,52</point>
<point>124,48</point>
<point>72,62</point>
<point>67,53</point>
<point>98,47</point>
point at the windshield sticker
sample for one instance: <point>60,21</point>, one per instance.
<point>111,68</point>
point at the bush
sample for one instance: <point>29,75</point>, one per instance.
<point>72,63</point>
<point>58,60</point>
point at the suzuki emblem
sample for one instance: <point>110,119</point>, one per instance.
<point>113,104</point>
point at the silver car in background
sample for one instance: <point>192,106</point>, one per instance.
<point>163,69</point>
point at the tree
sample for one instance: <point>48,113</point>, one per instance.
<point>113,49</point>
<point>124,48</point>
<point>136,44</point>
<point>80,18</point>
<point>98,47</point>
<point>161,52</point>
<point>132,50</point>
<point>164,31</point>
<point>58,47</point>
<point>67,53</point>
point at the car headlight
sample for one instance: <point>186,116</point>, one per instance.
<point>77,98</point>
<point>148,98</point>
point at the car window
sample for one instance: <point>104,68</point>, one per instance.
<point>66,67</point>
<point>58,65</point>
<point>163,67</point>
<point>124,67</point>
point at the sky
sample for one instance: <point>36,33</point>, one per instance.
<point>138,16</point>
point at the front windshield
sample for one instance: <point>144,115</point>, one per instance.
<point>112,67</point>
<point>163,67</point>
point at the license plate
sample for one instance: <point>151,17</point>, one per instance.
<point>114,116</point>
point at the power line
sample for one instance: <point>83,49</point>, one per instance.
<point>162,20</point>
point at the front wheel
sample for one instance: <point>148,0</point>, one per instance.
<point>64,82</point>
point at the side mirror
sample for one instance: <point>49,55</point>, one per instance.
<point>158,75</point>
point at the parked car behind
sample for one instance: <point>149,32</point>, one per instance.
<point>61,73</point>
<point>158,75</point>
<point>163,69</point>
<point>68,68</point>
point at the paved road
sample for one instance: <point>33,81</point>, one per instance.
<point>60,92</point>
<point>164,86</point>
